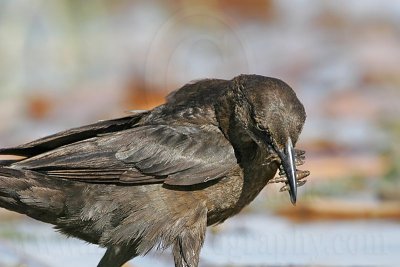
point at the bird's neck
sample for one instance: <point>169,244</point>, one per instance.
<point>233,116</point>
<point>254,157</point>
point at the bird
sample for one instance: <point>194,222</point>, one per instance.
<point>156,179</point>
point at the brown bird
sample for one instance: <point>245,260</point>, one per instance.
<point>156,179</point>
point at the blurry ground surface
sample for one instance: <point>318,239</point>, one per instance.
<point>67,63</point>
<point>247,240</point>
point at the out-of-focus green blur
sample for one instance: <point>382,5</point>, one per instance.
<point>67,63</point>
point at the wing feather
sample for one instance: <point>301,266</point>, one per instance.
<point>186,155</point>
<point>175,155</point>
<point>73,135</point>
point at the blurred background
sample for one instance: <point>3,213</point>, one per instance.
<point>67,63</point>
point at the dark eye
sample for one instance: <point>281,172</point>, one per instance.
<point>263,129</point>
<point>259,127</point>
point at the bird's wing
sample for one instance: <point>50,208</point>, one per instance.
<point>70,136</point>
<point>185,155</point>
<point>175,155</point>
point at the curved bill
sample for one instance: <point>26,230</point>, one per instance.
<point>289,167</point>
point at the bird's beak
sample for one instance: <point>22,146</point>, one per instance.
<point>289,167</point>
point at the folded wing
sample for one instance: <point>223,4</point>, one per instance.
<point>176,155</point>
<point>73,135</point>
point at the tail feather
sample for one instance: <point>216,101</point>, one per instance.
<point>31,193</point>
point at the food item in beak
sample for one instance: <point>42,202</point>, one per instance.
<point>288,172</point>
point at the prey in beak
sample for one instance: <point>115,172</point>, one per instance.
<point>291,158</point>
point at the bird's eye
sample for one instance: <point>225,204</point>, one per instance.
<point>263,129</point>
<point>259,127</point>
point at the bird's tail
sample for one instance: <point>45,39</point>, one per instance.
<point>30,193</point>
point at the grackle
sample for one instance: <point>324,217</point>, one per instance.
<point>158,178</point>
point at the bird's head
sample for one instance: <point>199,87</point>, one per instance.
<point>275,118</point>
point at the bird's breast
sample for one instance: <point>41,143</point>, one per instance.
<point>232,193</point>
